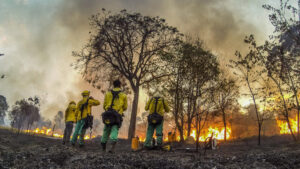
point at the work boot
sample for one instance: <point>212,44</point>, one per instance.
<point>103,146</point>
<point>63,142</point>
<point>113,146</point>
<point>81,145</point>
<point>159,147</point>
<point>73,144</point>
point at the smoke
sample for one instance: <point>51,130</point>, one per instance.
<point>38,37</point>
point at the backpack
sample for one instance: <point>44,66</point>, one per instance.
<point>88,121</point>
<point>111,116</point>
<point>155,118</point>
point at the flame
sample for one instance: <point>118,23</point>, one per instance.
<point>284,128</point>
<point>217,134</point>
<point>48,132</point>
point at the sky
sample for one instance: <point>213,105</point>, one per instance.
<point>38,37</point>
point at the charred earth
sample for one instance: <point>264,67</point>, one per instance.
<point>27,151</point>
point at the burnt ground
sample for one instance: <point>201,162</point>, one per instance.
<point>27,151</point>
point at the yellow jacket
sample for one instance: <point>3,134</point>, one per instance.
<point>120,104</point>
<point>70,113</point>
<point>161,108</point>
<point>87,109</point>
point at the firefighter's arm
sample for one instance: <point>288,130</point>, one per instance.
<point>94,102</point>
<point>147,105</point>
<point>125,103</point>
<point>166,106</point>
<point>106,100</point>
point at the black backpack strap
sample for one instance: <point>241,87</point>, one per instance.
<point>156,101</point>
<point>115,96</point>
<point>83,106</point>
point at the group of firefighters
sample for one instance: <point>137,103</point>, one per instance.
<point>115,103</point>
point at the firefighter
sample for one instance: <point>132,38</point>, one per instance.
<point>84,108</point>
<point>114,101</point>
<point>70,119</point>
<point>156,106</point>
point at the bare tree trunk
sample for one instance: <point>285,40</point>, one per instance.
<point>189,116</point>
<point>256,111</point>
<point>53,129</point>
<point>259,133</point>
<point>225,124</point>
<point>197,133</point>
<point>290,127</point>
<point>179,128</point>
<point>299,10</point>
<point>131,131</point>
<point>297,101</point>
<point>182,121</point>
<point>177,110</point>
<point>286,115</point>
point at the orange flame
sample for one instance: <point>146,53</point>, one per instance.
<point>48,132</point>
<point>217,134</point>
<point>284,128</point>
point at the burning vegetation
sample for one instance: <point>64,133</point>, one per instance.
<point>284,127</point>
<point>44,131</point>
<point>201,96</point>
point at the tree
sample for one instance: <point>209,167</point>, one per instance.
<point>44,123</point>
<point>191,69</point>
<point>2,76</point>
<point>3,109</point>
<point>248,71</point>
<point>130,44</point>
<point>270,58</point>
<point>24,113</point>
<point>204,107</point>
<point>284,50</point>
<point>59,120</point>
<point>224,95</point>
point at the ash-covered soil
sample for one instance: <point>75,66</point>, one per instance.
<point>25,151</point>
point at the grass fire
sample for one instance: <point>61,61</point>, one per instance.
<point>149,84</point>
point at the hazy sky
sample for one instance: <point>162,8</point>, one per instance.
<point>38,37</point>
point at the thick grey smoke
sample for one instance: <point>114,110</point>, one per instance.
<point>38,36</point>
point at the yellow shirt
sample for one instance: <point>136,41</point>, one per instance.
<point>87,109</point>
<point>120,104</point>
<point>70,113</point>
<point>161,108</point>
